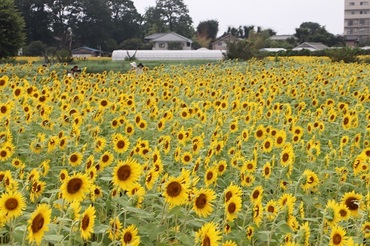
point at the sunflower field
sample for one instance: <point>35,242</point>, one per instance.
<point>268,152</point>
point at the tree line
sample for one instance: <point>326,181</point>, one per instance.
<point>116,24</point>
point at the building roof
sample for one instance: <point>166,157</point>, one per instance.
<point>87,51</point>
<point>227,37</point>
<point>167,37</point>
<point>311,46</point>
<point>272,49</point>
<point>282,37</point>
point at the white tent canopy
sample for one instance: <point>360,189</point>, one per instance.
<point>201,54</point>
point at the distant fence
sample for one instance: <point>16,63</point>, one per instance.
<point>201,54</point>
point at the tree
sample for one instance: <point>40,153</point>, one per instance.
<point>314,32</point>
<point>12,36</point>
<point>174,16</point>
<point>126,20</point>
<point>206,32</point>
<point>36,11</point>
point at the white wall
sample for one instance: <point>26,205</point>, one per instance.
<point>201,54</point>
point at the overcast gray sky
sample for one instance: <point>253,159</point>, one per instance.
<point>283,16</point>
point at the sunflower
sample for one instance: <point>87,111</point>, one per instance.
<point>129,129</point>
<point>247,179</point>
<point>106,159</point>
<point>96,192</point>
<point>332,215</point>
<point>37,189</point>
<point>75,207</point>
<point>186,157</point>
<point>366,229</point>
<point>120,143</point>
<point>175,191</point>
<point>250,166</point>
<point>271,209</point>
<point>100,143</point>
<point>267,145</point>
<point>311,181</point>
<point>231,191</point>
<point>221,167</point>
<point>352,202</point>
<point>150,178</point>
<point>126,173</point>
<point>138,193</point>
<point>12,204</point>
<point>63,175</point>
<point>130,236</point>
<point>337,237</point>
<point>343,211</point>
<point>266,170</point>
<point>75,187</point>
<point>287,155</point>
<point>208,234</point>
<point>249,232</point>
<point>17,163</point>
<point>257,213</point>
<point>229,243</point>
<point>233,207</point>
<point>202,204</point>
<point>38,223</point>
<point>346,121</point>
<point>87,222</point>
<point>256,195</point>
<point>114,231</point>
<point>75,159</point>
<point>260,132</point>
<point>210,176</point>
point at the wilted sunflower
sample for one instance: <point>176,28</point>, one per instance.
<point>87,222</point>
<point>126,173</point>
<point>12,204</point>
<point>75,187</point>
<point>130,236</point>
<point>38,223</point>
<point>175,191</point>
<point>208,235</point>
<point>114,231</point>
<point>352,201</point>
<point>337,237</point>
<point>202,204</point>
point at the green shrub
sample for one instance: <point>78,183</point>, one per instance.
<point>345,54</point>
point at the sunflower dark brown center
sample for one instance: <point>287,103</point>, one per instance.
<point>85,222</point>
<point>351,203</point>
<point>228,195</point>
<point>37,223</point>
<point>121,144</point>
<point>271,209</point>
<point>285,157</point>
<point>209,175</point>
<point>74,185</point>
<point>3,109</point>
<point>231,207</point>
<point>3,153</point>
<point>201,201</point>
<point>124,172</point>
<point>11,204</point>
<point>206,241</point>
<point>105,158</point>
<point>74,158</point>
<point>259,133</point>
<point>256,194</point>
<point>174,189</point>
<point>127,237</point>
<point>337,239</point>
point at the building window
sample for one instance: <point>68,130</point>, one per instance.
<point>162,45</point>
<point>350,23</point>
<point>364,3</point>
<point>363,12</point>
<point>353,12</point>
<point>351,3</point>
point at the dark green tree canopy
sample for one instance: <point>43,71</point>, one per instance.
<point>314,32</point>
<point>12,36</point>
<point>207,29</point>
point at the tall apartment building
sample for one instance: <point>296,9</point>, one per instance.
<point>356,19</point>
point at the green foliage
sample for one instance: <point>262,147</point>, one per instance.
<point>35,48</point>
<point>239,49</point>
<point>12,36</point>
<point>135,44</point>
<point>345,54</point>
<point>63,56</point>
